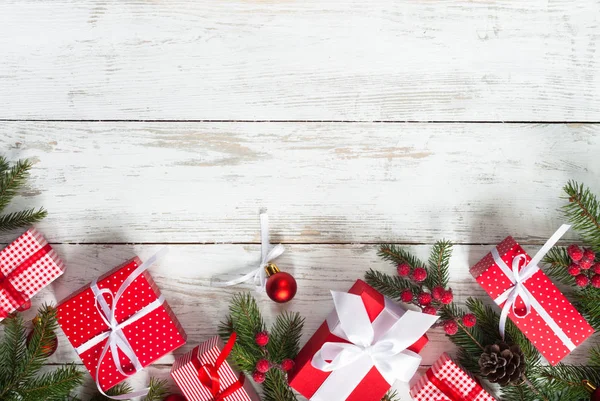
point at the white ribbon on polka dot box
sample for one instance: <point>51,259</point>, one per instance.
<point>446,381</point>
<point>27,265</point>
<point>540,311</point>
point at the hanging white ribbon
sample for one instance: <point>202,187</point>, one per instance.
<point>268,254</point>
<point>382,343</point>
<point>116,339</point>
<point>518,277</point>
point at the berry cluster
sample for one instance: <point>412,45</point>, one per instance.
<point>583,266</point>
<point>430,301</point>
<point>264,365</point>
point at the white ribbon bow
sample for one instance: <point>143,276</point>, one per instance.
<point>116,338</point>
<point>384,349</point>
<point>518,289</point>
<point>268,254</point>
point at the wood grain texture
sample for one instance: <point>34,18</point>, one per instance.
<point>300,60</point>
<point>184,276</point>
<point>321,182</point>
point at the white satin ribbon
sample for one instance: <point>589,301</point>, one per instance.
<point>116,338</point>
<point>518,290</point>
<point>268,254</point>
<point>382,344</point>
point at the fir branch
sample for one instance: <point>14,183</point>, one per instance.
<point>11,221</point>
<point>595,357</point>
<point>583,211</point>
<point>438,265</point>
<point>119,389</point>
<point>397,255</point>
<point>391,396</point>
<point>11,180</point>
<point>285,337</point>
<point>3,165</point>
<point>588,303</point>
<point>55,385</point>
<point>276,388</point>
<point>557,262</point>
<point>390,286</point>
<point>158,390</point>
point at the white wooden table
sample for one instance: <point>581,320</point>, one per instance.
<point>354,123</point>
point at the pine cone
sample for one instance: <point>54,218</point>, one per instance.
<point>502,364</point>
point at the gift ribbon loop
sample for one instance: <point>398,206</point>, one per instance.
<point>208,374</point>
<point>18,297</point>
<point>388,352</point>
<point>518,276</point>
<point>268,254</point>
<point>116,339</point>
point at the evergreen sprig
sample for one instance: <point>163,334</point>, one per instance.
<point>438,264</point>
<point>246,321</point>
<point>21,361</point>
<point>11,179</point>
<point>583,211</point>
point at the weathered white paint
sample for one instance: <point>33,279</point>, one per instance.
<point>321,182</point>
<point>184,276</point>
<point>300,60</point>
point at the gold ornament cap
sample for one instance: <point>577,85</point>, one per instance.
<point>589,386</point>
<point>271,268</point>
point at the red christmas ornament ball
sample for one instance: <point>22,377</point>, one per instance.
<point>259,377</point>
<point>406,295</point>
<point>451,327</point>
<point>287,365</point>
<point>447,298</point>
<point>595,395</point>
<point>596,268</point>
<point>585,263</point>
<point>174,397</point>
<point>403,269</point>
<point>574,269</point>
<point>575,252</point>
<point>588,254</point>
<point>46,349</point>
<point>281,287</point>
<point>262,338</point>
<point>596,281</point>
<point>419,274</point>
<point>424,298</point>
<point>437,292</point>
<point>263,366</point>
<point>430,310</point>
<point>469,320</point>
<point>582,280</point>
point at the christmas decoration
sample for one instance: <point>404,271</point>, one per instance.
<point>49,348</point>
<point>364,346</point>
<point>21,361</point>
<point>203,374</point>
<point>433,296</point>
<point>528,297</point>
<point>280,286</point>
<point>446,381</point>
<point>126,302</point>
<point>26,266</point>
<point>281,343</point>
<point>11,179</point>
<point>502,364</point>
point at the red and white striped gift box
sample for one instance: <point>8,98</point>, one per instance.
<point>446,381</point>
<point>185,374</point>
<point>28,265</point>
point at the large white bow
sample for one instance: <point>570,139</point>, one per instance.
<point>387,350</point>
<point>518,277</point>
<point>268,254</point>
<point>116,338</point>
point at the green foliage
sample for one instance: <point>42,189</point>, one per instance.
<point>390,286</point>
<point>246,321</point>
<point>391,396</point>
<point>583,211</point>
<point>21,362</point>
<point>159,389</point>
<point>439,264</point>
<point>11,179</point>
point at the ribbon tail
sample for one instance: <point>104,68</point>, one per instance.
<point>231,389</point>
<point>503,318</point>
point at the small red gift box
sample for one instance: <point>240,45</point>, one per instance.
<point>194,373</point>
<point>26,266</point>
<point>552,323</point>
<point>361,380</point>
<point>446,381</point>
<point>146,327</point>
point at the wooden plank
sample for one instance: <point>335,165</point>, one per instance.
<point>184,276</point>
<point>321,182</point>
<point>309,60</point>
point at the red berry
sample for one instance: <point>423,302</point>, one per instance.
<point>287,365</point>
<point>419,274</point>
<point>596,268</point>
<point>447,298</point>
<point>582,280</point>
<point>574,269</point>
<point>588,254</point>
<point>469,320</point>
<point>430,310</point>
<point>406,295</point>
<point>259,377</point>
<point>437,292</point>
<point>575,252</point>
<point>263,366</point>
<point>424,298</point>
<point>262,339</point>
<point>451,327</point>
<point>596,280</point>
<point>585,263</point>
<point>403,269</point>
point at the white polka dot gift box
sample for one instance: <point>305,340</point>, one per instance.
<point>120,323</point>
<point>26,266</point>
<point>528,298</point>
<point>204,374</point>
<point>446,381</point>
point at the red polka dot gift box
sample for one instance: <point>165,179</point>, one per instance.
<point>446,381</point>
<point>533,303</point>
<point>203,374</point>
<point>26,266</point>
<point>120,323</point>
